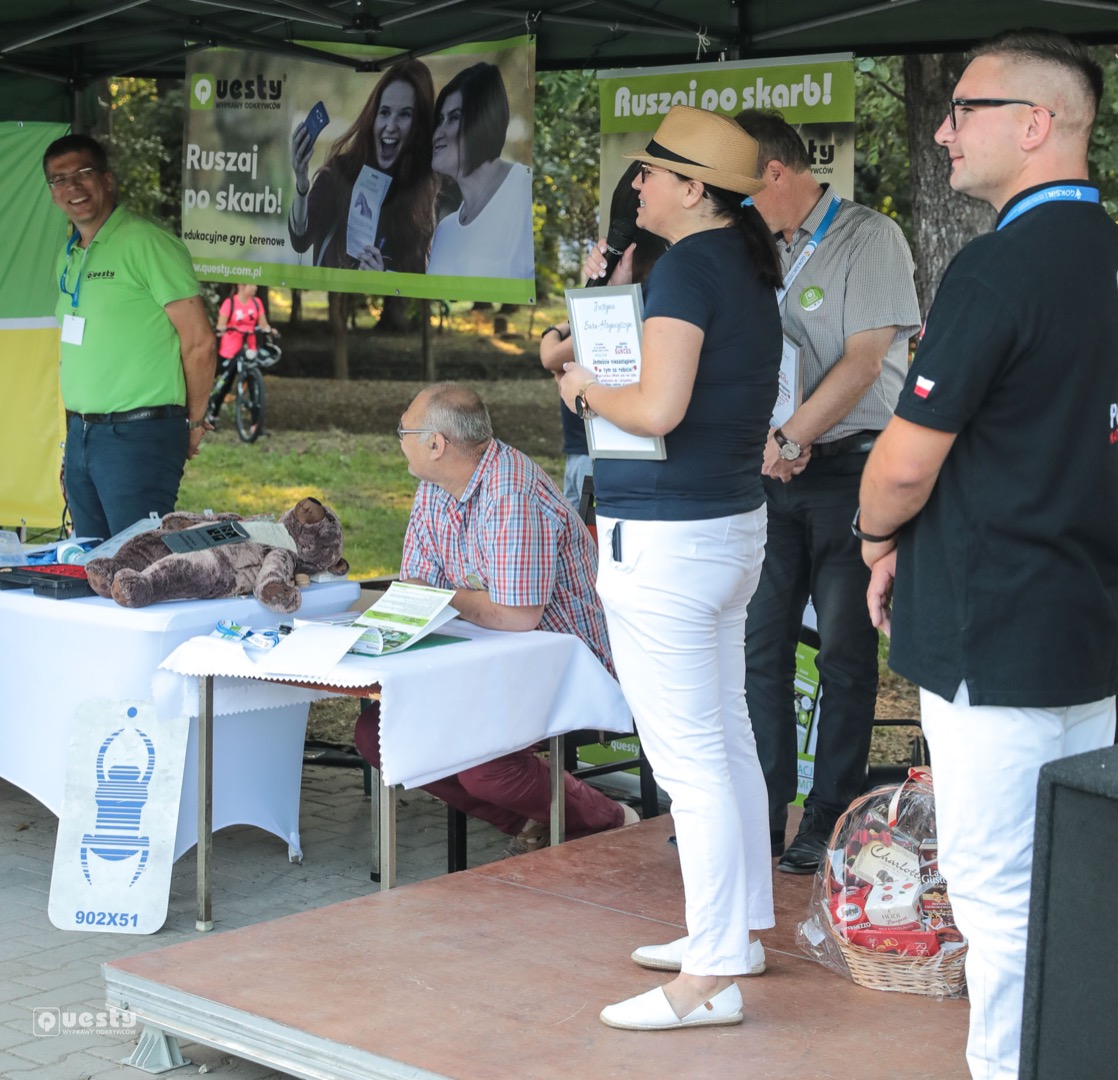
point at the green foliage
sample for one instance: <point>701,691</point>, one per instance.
<point>1103,152</point>
<point>881,168</point>
<point>565,155</point>
<point>145,147</point>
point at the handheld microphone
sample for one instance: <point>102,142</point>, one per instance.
<point>621,234</point>
<point>622,222</point>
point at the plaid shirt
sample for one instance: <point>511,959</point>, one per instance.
<point>514,534</point>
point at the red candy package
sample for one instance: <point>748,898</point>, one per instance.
<point>848,909</point>
<point>897,942</point>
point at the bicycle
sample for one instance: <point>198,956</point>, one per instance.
<point>241,376</point>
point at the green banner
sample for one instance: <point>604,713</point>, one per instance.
<point>313,175</point>
<point>813,93</point>
<point>33,230</point>
<point>34,234</point>
<point>811,90</point>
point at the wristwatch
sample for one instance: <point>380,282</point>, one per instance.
<point>789,450</point>
<point>194,425</point>
<point>582,406</point>
<point>868,537</point>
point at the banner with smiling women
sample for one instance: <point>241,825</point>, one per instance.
<point>413,179</point>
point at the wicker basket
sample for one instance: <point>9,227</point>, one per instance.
<point>941,975</point>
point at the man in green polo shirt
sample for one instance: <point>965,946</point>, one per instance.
<point>138,352</point>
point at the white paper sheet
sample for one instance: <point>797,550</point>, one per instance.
<point>369,191</point>
<point>307,650</point>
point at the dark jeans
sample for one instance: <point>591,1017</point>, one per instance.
<point>227,370</point>
<point>116,474</point>
<point>811,551</point>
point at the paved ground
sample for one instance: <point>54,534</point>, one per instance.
<point>42,968</point>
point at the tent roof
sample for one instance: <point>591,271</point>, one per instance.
<point>74,42</point>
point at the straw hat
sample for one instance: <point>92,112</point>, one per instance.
<point>704,146</point>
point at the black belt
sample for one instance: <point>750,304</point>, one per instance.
<point>150,412</point>
<point>861,442</point>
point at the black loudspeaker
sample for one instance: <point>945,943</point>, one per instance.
<point>1070,1026</point>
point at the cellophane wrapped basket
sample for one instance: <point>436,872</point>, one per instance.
<point>880,912</point>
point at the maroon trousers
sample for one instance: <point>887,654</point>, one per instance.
<point>508,791</point>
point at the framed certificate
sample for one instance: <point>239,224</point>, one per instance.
<point>606,328</point>
<point>790,388</point>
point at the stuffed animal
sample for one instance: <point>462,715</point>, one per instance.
<point>145,571</point>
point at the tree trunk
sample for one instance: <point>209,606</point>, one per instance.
<point>394,317</point>
<point>429,373</point>
<point>339,310</point>
<point>943,221</point>
<point>296,307</point>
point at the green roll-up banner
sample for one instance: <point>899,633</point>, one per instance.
<point>33,431</point>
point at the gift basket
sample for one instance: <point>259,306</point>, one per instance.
<point>880,910</point>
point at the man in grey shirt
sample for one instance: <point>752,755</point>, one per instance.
<point>850,306</point>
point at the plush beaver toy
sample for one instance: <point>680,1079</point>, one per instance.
<point>144,571</point>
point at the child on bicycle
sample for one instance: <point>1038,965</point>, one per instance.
<point>238,319</point>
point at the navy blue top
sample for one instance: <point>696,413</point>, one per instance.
<point>713,464</point>
<point>574,432</point>
<point>1008,577</point>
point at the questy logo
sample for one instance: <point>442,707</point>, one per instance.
<point>250,91</point>
<point>201,91</point>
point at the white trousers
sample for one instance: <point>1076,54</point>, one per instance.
<point>675,603</point>
<point>985,763</point>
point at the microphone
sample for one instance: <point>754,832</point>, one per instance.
<point>622,222</point>
<point>621,234</point>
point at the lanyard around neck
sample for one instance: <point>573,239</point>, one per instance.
<point>62,280</point>
<point>1053,193</point>
<point>809,248</point>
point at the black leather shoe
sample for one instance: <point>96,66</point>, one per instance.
<point>804,854</point>
<point>776,838</point>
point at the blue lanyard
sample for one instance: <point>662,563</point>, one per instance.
<point>1055,193</point>
<point>62,280</point>
<point>809,248</point>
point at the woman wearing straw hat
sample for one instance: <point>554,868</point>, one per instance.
<point>681,544</point>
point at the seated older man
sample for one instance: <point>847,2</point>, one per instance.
<point>490,524</point>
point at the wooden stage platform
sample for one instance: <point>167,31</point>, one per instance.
<point>499,973</point>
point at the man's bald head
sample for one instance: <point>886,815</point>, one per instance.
<point>1053,70</point>
<point>456,412</point>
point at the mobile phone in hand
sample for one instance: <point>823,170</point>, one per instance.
<point>316,120</point>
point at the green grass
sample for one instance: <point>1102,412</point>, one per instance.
<point>362,478</point>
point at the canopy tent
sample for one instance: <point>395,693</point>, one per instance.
<point>71,43</point>
<point>53,52</point>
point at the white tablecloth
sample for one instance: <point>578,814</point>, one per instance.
<point>55,654</point>
<point>443,708</point>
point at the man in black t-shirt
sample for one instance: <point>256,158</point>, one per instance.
<point>989,505</point>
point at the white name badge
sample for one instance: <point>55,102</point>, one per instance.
<point>73,329</point>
